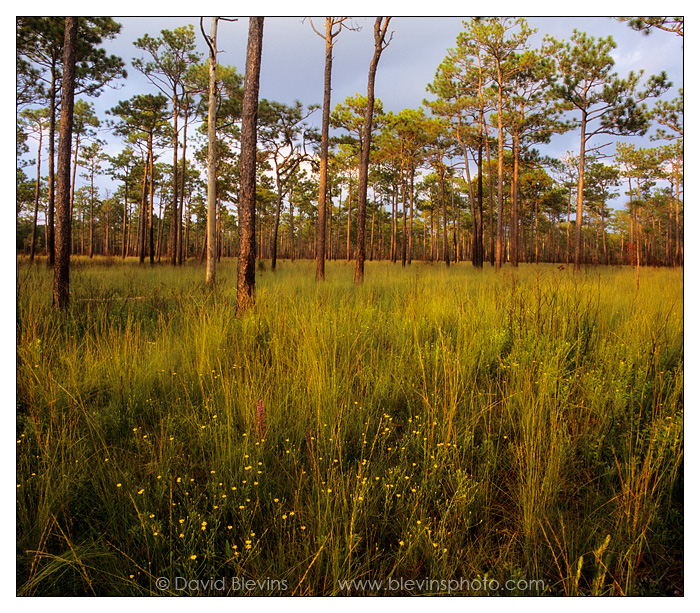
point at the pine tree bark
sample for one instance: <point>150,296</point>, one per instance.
<point>499,187</point>
<point>579,197</point>
<point>92,214</point>
<point>246,201</point>
<point>380,29</point>
<point>61,283</point>
<point>210,240</point>
<point>347,248</point>
<point>151,195</point>
<point>141,241</point>
<point>181,247</point>
<point>174,222</point>
<point>323,167</point>
<point>410,220</point>
<point>403,219</point>
<point>445,242</point>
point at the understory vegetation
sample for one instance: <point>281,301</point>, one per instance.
<point>441,423</point>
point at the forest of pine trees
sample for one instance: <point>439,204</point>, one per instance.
<point>464,177</point>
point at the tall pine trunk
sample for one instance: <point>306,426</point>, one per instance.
<point>347,248</point>
<point>61,282</point>
<point>246,202</point>
<point>323,168</point>
<point>92,214</point>
<point>579,196</point>
<point>210,240</point>
<point>174,223</point>
<point>180,229</point>
<point>499,222</point>
<point>514,205</point>
<point>410,220</point>
<point>403,219</point>
<point>380,29</point>
<point>445,242</point>
<point>151,253</point>
<point>141,241</point>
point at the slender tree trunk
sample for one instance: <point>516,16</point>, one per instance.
<point>292,246</point>
<point>323,169</point>
<point>403,220</point>
<point>337,235</point>
<point>125,221</point>
<point>151,190</point>
<point>514,205</point>
<point>537,234</point>
<point>143,216</point>
<point>161,223</point>
<point>37,192</point>
<point>638,250</point>
<point>552,235</point>
<point>579,197</point>
<point>437,234</point>
<point>347,248</point>
<point>61,283</point>
<point>432,233</point>
<point>220,232</point>
<point>302,249</point>
<point>331,245</point>
<point>605,241</point>
<point>455,227</point>
<point>568,226</point>
<point>410,220</point>
<point>380,30</point>
<point>445,242</point>
<point>246,201</point>
<point>276,225</point>
<point>174,224</point>
<point>679,237</point>
<point>472,200</point>
<point>106,245</point>
<point>129,240</point>
<point>92,215</point>
<point>492,248</point>
<point>211,159</point>
<point>180,229</point>
<point>51,207</point>
<point>478,259</point>
<point>73,171</point>
<point>499,224</point>
<point>394,224</point>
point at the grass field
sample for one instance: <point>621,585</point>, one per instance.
<point>518,432</point>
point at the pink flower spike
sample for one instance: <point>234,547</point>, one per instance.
<point>260,426</point>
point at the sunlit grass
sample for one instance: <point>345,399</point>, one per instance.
<point>444,423</point>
